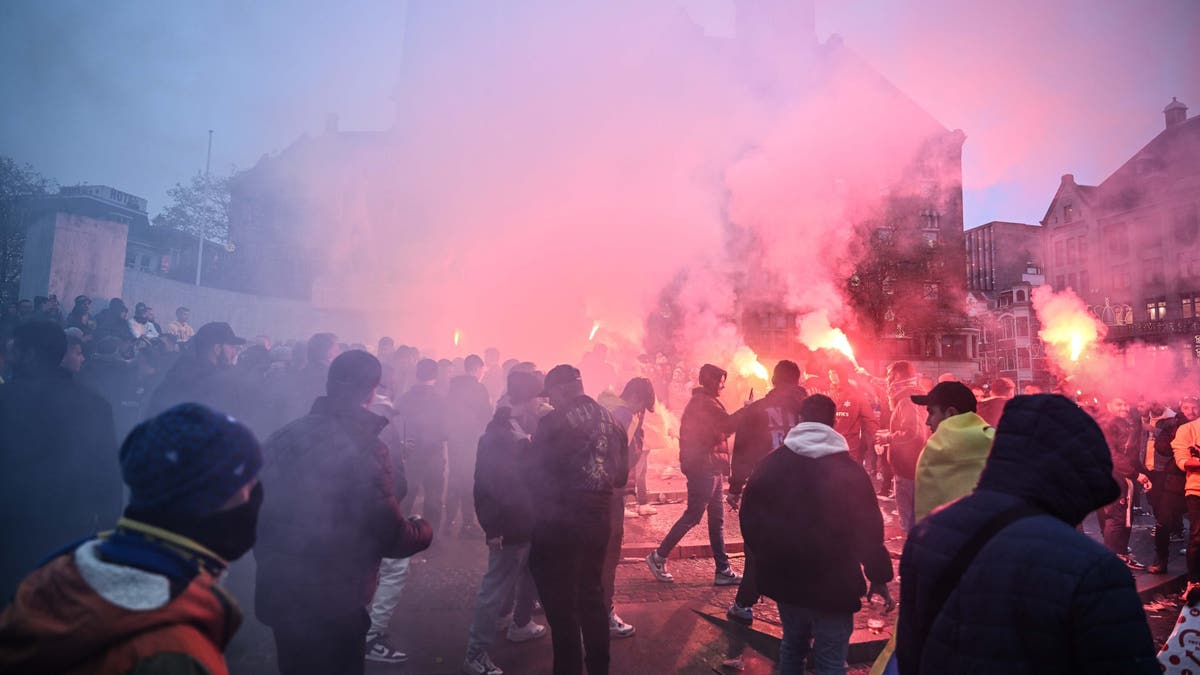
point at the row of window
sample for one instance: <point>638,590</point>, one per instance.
<point>1071,251</point>
<point>1189,306</point>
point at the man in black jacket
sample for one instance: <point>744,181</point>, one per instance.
<point>764,426</point>
<point>505,511</point>
<point>814,491</point>
<point>1169,481</point>
<point>1125,445</point>
<point>704,431</point>
<point>580,454</point>
<point>329,516</point>
<point>203,376</point>
<point>470,408</point>
<point>59,479</point>
<point>421,414</point>
<point>1038,596</point>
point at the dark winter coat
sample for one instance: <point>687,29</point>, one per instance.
<point>59,475</point>
<point>763,427</point>
<point>195,380</point>
<point>811,517</point>
<point>502,500</point>
<point>329,514</point>
<point>293,393</point>
<point>116,380</point>
<point>1040,597</point>
<point>704,431</point>
<point>421,414</point>
<point>1124,444</point>
<point>468,409</point>
<point>579,452</point>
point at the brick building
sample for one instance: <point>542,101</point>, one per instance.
<point>1130,246</point>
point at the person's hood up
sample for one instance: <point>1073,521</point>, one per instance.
<point>77,606</point>
<point>1051,453</point>
<point>952,460</point>
<point>815,440</point>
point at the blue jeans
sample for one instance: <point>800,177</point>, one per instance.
<point>807,631</point>
<point>705,491</point>
<point>904,502</point>
<point>507,568</point>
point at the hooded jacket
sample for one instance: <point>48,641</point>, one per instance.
<point>811,517</point>
<point>329,514</point>
<point>764,426</point>
<point>1040,597</point>
<point>704,431</point>
<point>81,615</point>
<point>906,427</point>
<point>502,500</point>
<point>951,462</point>
<point>1187,440</point>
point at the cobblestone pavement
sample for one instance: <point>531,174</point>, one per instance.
<point>681,626</point>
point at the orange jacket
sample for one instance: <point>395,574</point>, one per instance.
<point>78,614</point>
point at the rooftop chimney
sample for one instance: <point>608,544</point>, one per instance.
<point>1175,112</point>
<point>1068,179</point>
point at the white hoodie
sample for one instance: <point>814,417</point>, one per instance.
<point>815,440</point>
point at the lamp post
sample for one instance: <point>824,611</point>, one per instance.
<point>200,247</point>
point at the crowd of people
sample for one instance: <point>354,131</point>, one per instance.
<point>186,448</point>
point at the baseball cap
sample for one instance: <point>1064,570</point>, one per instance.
<point>560,375</point>
<point>948,395</point>
<point>217,333</point>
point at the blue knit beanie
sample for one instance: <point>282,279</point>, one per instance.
<point>188,461</point>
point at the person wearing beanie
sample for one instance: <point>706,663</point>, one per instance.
<point>329,517</point>
<point>59,477</point>
<point>704,431</point>
<point>144,597</point>
<point>421,414</point>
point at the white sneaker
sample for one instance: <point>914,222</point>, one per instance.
<point>380,652</point>
<point>530,631</point>
<point>658,567</point>
<point>618,628</point>
<point>481,665</point>
<point>646,510</point>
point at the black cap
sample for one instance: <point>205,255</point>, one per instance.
<point>217,333</point>
<point>354,369</point>
<point>560,375</point>
<point>948,395</point>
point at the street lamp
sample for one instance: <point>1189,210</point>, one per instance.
<point>200,247</point>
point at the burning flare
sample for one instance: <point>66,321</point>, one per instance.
<point>457,337</point>
<point>746,362</point>
<point>817,333</point>
<point>1067,325</point>
<point>595,327</point>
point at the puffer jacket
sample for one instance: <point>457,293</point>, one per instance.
<point>704,431</point>
<point>1040,597</point>
<point>329,514</point>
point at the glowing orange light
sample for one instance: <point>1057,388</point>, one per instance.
<point>817,333</point>
<point>1067,326</point>
<point>746,362</point>
<point>595,327</point>
<point>457,337</point>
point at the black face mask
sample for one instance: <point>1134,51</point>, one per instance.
<point>230,534</point>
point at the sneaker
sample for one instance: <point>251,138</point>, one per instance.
<point>618,628</point>
<point>658,567</point>
<point>1131,562</point>
<point>530,631</point>
<point>379,652</point>
<point>744,615</point>
<point>734,663</point>
<point>481,665</point>
<point>727,577</point>
<point>646,510</point>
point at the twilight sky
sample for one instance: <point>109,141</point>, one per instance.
<point>123,93</point>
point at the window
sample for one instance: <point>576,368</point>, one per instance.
<point>1023,358</point>
<point>1020,296</point>
<point>931,291</point>
<point>1072,251</point>
<point>131,261</point>
<point>1117,237</point>
<point>1007,328</point>
<point>1156,309</point>
<point>1023,326</point>
<point>1068,213</point>
<point>930,220</point>
<point>1059,247</point>
<point>931,238</point>
<point>1190,303</point>
<point>883,235</point>
<point>145,263</point>
<point>1072,281</point>
<point>1085,282</point>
